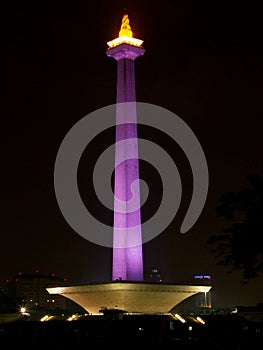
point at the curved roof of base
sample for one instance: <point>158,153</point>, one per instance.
<point>129,296</point>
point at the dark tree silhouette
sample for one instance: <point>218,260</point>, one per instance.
<point>239,245</point>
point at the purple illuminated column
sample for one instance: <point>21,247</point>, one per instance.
<point>127,261</point>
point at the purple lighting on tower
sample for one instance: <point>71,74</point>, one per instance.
<point>127,261</point>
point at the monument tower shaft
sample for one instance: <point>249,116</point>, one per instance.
<point>127,263</point>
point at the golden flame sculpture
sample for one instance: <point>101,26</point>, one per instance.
<point>125,27</point>
<point>125,35</point>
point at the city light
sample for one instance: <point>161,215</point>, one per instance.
<point>203,277</point>
<point>23,310</point>
<point>200,320</point>
<point>180,318</point>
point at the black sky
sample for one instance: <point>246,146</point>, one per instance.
<point>203,61</point>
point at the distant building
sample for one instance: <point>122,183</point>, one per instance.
<point>250,313</point>
<point>154,276</point>
<point>205,298</point>
<point>29,290</point>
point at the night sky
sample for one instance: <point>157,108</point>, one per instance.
<point>203,61</point>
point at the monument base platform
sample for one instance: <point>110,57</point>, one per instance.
<point>132,297</point>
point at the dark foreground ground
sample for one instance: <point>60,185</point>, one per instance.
<point>162,332</point>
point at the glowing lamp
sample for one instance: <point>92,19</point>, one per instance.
<point>22,310</point>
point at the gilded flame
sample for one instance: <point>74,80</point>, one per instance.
<point>125,35</point>
<point>125,27</point>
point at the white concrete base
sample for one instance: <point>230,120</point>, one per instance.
<point>139,297</point>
